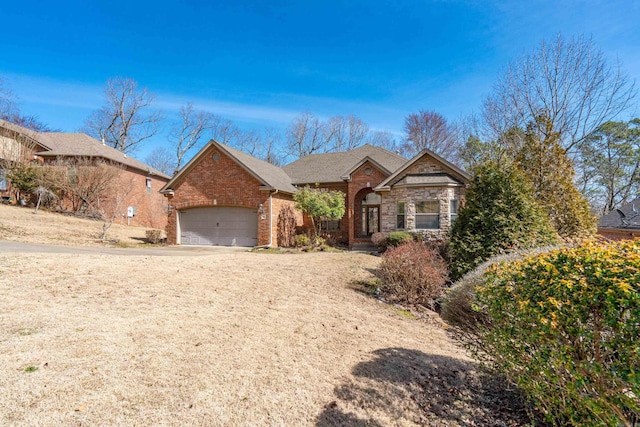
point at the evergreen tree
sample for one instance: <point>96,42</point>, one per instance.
<point>500,214</point>
<point>551,173</point>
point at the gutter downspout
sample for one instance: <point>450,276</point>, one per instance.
<point>268,245</point>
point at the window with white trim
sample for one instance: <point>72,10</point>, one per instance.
<point>453,210</point>
<point>428,215</point>
<point>401,216</point>
<point>148,185</point>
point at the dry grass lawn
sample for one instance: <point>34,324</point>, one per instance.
<point>22,225</point>
<point>223,340</point>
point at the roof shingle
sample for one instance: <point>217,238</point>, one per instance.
<point>631,220</point>
<point>81,145</point>
<point>331,167</point>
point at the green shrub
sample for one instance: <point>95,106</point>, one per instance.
<point>302,240</point>
<point>500,215</point>
<point>412,273</point>
<point>564,327</point>
<point>396,238</point>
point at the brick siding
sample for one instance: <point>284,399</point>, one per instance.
<point>223,182</point>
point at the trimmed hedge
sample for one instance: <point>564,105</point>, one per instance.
<point>565,327</point>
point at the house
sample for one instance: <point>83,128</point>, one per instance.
<point>227,197</point>
<point>17,144</point>
<point>623,223</point>
<point>139,182</point>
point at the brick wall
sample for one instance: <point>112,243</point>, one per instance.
<point>151,207</point>
<point>220,181</point>
<point>614,234</point>
<point>365,177</point>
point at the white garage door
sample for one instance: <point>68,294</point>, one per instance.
<point>219,226</point>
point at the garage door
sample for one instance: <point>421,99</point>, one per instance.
<point>220,226</point>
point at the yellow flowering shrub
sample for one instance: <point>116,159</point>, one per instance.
<point>565,327</point>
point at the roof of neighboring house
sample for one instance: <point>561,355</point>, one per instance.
<point>271,176</point>
<point>23,131</point>
<point>627,217</point>
<point>81,145</point>
<point>65,144</point>
<point>332,167</point>
<point>396,176</point>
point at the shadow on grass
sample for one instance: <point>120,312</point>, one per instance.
<point>402,386</point>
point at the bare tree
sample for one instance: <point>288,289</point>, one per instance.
<point>347,132</point>
<point>428,129</point>
<point>263,144</point>
<point>570,83</point>
<point>224,130</point>
<point>127,119</point>
<point>193,126</point>
<point>8,106</point>
<point>306,135</point>
<point>10,112</point>
<point>113,204</point>
<point>272,146</point>
<point>385,140</point>
<point>162,159</point>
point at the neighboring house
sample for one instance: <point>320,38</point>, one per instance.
<point>17,144</point>
<point>139,182</point>
<point>623,223</point>
<point>226,197</point>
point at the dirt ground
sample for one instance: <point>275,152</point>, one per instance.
<point>226,339</point>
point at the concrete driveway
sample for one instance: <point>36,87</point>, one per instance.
<point>20,247</point>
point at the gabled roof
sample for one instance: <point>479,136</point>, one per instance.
<point>333,167</point>
<point>630,218</point>
<point>456,172</point>
<point>272,177</point>
<point>31,134</point>
<point>65,144</point>
<point>81,145</point>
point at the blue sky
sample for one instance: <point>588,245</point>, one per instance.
<point>261,63</point>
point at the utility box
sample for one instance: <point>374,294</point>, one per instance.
<point>131,211</point>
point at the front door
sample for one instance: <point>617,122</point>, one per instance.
<point>370,219</point>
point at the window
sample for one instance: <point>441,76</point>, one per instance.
<point>148,185</point>
<point>4,183</point>
<point>72,175</point>
<point>453,210</point>
<point>428,215</point>
<point>329,225</point>
<point>401,215</point>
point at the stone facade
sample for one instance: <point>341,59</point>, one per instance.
<point>408,194</point>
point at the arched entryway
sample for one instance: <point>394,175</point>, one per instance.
<point>367,213</point>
